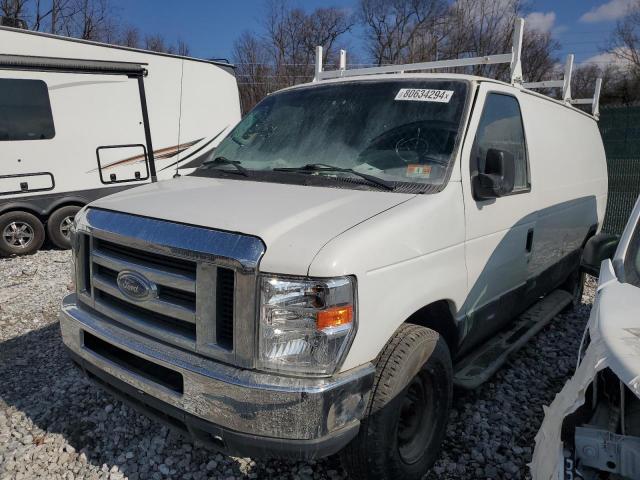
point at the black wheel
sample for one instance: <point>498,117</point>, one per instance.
<point>59,226</point>
<point>574,284</point>
<point>408,409</point>
<point>21,233</point>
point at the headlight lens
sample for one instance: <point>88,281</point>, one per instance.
<point>306,324</point>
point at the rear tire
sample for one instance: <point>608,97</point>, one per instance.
<point>21,233</point>
<point>59,226</point>
<point>406,418</point>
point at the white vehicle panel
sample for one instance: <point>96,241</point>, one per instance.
<point>569,178</point>
<point>294,221</point>
<point>191,105</point>
<point>496,229</point>
<point>404,259</point>
<point>71,154</point>
<point>35,181</point>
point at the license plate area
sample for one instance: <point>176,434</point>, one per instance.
<point>153,372</point>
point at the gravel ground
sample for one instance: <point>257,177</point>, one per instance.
<point>54,424</point>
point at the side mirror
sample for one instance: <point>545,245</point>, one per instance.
<point>498,177</point>
<point>598,248</point>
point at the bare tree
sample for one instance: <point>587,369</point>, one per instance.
<point>60,15</point>
<point>255,71</point>
<point>483,27</point>
<point>284,55</point>
<point>625,41</point>
<point>324,27</point>
<point>538,55</point>
<point>400,31</point>
<point>292,35</point>
<point>155,43</point>
<point>618,87</point>
<point>40,14</point>
<point>88,19</point>
<point>182,48</point>
<point>14,9</point>
<point>130,37</point>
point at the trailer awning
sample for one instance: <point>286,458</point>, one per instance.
<point>71,65</point>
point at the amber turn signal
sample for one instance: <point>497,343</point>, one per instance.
<point>334,317</point>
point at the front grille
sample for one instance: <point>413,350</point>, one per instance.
<point>224,306</point>
<point>160,262</point>
<point>173,313</point>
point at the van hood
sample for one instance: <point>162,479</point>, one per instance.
<point>293,221</point>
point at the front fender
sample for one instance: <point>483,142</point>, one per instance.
<point>404,259</point>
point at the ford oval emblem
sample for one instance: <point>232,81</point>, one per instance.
<point>135,286</point>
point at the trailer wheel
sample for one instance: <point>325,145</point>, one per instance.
<point>59,226</point>
<point>408,408</point>
<point>21,233</point>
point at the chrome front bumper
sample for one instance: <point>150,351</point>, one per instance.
<point>239,411</point>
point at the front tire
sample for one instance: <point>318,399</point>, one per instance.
<point>59,226</point>
<point>408,409</point>
<point>21,233</point>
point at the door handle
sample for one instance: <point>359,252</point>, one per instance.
<point>529,245</point>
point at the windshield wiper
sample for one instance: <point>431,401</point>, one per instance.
<point>323,167</point>
<point>219,161</point>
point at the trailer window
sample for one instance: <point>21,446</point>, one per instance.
<point>25,110</point>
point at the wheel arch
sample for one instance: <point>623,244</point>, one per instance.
<point>593,229</point>
<point>440,317</point>
<point>45,210</point>
<point>23,207</point>
<point>66,202</point>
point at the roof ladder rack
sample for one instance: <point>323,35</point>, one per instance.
<point>565,83</point>
<point>513,58</point>
<point>594,102</point>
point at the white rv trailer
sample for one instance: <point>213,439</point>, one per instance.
<point>80,120</point>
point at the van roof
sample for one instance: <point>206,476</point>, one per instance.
<point>436,76</point>
<point>118,47</point>
<point>393,76</point>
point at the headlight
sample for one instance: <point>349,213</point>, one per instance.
<point>306,324</point>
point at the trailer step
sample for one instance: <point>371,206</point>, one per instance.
<point>477,367</point>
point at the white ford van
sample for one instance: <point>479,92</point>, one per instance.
<point>353,248</point>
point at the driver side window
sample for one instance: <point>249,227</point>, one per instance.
<point>501,128</point>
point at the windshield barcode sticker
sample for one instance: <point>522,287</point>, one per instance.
<point>424,95</point>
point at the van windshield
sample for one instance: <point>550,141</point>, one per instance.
<point>398,131</point>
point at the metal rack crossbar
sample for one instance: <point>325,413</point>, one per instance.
<point>593,101</point>
<point>514,59</point>
<point>565,83</point>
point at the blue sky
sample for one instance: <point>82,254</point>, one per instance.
<point>211,26</point>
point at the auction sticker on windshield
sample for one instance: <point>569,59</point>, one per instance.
<point>419,171</point>
<point>424,95</point>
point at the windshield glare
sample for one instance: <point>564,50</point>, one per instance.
<point>403,131</point>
